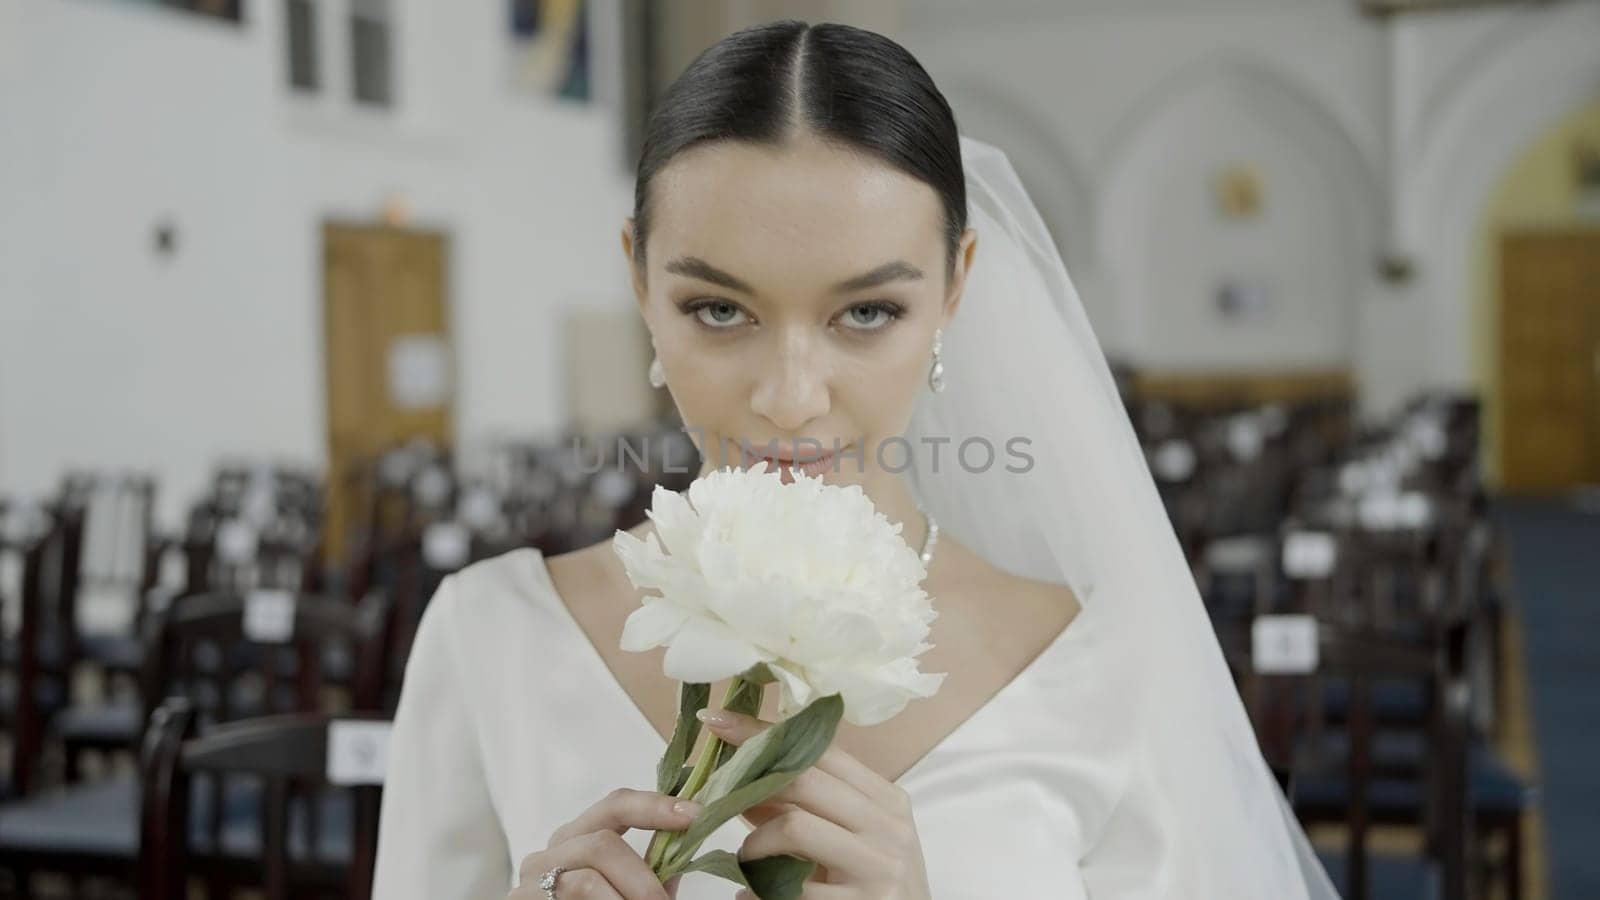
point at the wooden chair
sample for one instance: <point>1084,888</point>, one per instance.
<point>205,649</point>
<point>225,552</point>
<point>116,723</point>
<point>28,695</point>
<point>1361,658</point>
<point>302,855</point>
<point>121,556</point>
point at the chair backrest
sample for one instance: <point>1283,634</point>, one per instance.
<point>1361,658</point>
<point>61,576</point>
<point>207,646</point>
<point>120,512</point>
<point>300,758</point>
<point>224,551</point>
<point>27,676</point>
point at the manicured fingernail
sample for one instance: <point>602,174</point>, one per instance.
<point>744,895</point>
<point>686,808</point>
<point>716,718</point>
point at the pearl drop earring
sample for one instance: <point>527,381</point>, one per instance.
<point>936,374</point>
<point>658,376</point>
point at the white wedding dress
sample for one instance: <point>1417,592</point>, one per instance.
<point>511,724</point>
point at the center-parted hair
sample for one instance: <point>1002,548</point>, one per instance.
<point>768,83</point>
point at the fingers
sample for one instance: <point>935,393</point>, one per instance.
<point>825,795</point>
<point>800,832</point>
<point>626,808</point>
<point>761,812</point>
<point>600,865</point>
<point>575,884</point>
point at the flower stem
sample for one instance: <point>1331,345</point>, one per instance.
<point>661,843</point>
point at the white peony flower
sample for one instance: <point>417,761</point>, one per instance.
<point>808,578</point>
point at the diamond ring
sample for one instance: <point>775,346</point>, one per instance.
<point>548,882</point>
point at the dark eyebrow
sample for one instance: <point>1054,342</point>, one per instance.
<point>695,267</point>
<point>890,271</point>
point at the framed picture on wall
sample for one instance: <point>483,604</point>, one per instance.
<point>550,48</point>
<point>1244,299</point>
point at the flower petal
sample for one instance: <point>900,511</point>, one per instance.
<point>652,625</point>
<point>797,691</point>
<point>706,650</point>
<point>843,635</point>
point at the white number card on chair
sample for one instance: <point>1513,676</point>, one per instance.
<point>1174,460</point>
<point>269,616</point>
<point>358,751</point>
<point>1309,554</point>
<point>236,541</point>
<point>1284,644</point>
<point>446,546</point>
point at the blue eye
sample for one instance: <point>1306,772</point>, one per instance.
<point>872,316</point>
<point>716,313</point>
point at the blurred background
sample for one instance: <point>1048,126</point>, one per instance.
<point>307,303</point>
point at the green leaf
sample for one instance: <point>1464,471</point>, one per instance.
<point>769,878</point>
<point>746,698</point>
<point>692,697</point>
<point>716,812</point>
<point>781,877</point>
<point>682,779</point>
<point>720,863</point>
<point>803,737</point>
<point>761,767</point>
<point>758,675</point>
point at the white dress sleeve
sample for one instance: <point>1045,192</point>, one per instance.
<point>438,833</point>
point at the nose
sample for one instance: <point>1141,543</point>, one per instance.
<point>791,386</point>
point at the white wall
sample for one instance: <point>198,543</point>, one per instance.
<point>115,116</point>
<point>1373,139</point>
<point>1124,113</point>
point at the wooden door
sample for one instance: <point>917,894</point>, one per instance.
<point>1550,359</point>
<point>389,366</point>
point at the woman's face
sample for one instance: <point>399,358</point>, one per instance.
<point>792,296</point>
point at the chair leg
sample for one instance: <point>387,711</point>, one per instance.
<point>1513,832</point>
<point>71,771</point>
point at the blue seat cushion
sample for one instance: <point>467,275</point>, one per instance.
<point>119,652</point>
<point>1389,876</point>
<point>100,819</point>
<point>96,819</point>
<point>1491,788</point>
<point>123,652</point>
<point>48,696</point>
<point>1393,750</point>
<point>1391,700</point>
<point>110,724</point>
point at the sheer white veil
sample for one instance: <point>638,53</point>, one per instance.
<point>1022,362</point>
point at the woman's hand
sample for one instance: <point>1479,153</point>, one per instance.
<point>852,822</point>
<point>600,864</point>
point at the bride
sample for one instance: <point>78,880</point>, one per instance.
<point>834,278</point>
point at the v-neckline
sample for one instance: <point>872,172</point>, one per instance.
<point>638,714</point>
